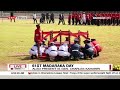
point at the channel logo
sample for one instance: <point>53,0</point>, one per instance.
<point>17,67</point>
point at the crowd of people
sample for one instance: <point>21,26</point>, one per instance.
<point>63,52</point>
<point>48,18</point>
<point>82,18</point>
<point>92,18</point>
<point>75,51</point>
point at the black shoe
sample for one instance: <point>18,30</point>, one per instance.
<point>98,54</point>
<point>32,57</point>
<point>35,56</point>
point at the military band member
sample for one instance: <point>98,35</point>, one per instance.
<point>69,19</point>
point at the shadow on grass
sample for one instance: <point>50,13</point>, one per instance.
<point>22,57</point>
<point>18,55</point>
<point>27,57</point>
<point>65,60</point>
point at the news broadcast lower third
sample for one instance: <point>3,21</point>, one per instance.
<point>60,44</point>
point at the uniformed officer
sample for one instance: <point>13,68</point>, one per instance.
<point>38,34</point>
<point>69,19</point>
<point>61,19</point>
<point>88,50</point>
<point>47,17</point>
<point>77,18</point>
<point>96,45</point>
<point>98,20</point>
<point>73,18</point>
<point>88,19</point>
<point>43,16</point>
<point>51,18</point>
<point>113,18</point>
<point>91,17</point>
<point>84,18</point>
<point>12,17</point>
<point>34,51</point>
<point>75,50</point>
<point>43,47</point>
<point>109,20</point>
<point>119,19</point>
<point>38,37</point>
<point>63,51</point>
<point>35,18</point>
<point>52,51</point>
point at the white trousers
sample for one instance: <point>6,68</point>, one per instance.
<point>63,53</point>
<point>53,53</point>
<point>33,52</point>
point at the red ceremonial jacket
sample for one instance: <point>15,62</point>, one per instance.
<point>38,36</point>
<point>97,46</point>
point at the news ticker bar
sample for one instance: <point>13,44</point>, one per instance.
<point>60,73</point>
<point>60,67</point>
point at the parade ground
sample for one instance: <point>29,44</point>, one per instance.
<point>16,39</point>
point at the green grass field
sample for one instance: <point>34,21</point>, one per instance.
<point>17,38</point>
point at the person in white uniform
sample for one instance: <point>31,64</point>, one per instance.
<point>63,50</point>
<point>42,47</point>
<point>33,51</point>
<point>84,18</point>
<point>52,51</point>
<point>35,18</point>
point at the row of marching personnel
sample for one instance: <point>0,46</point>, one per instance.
<point>106,18</point>
<point>64,52</point>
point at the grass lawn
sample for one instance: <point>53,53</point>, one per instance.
<point>17,38</point>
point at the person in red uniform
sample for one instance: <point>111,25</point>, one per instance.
<point>69,19</point>
<point>12,17</point>
<point>95,50</point>
<point>117,18</point>
<point>109,20</point>
<point>38,35</point>
<point>73,18</point>
<point>113,18</point>
<point>38,38</point>
<point>88,19</point>
<point>98,20</point>
<point>96,45</point>
<point>105,15</point>
<point>91,17</point>
<point>78,18</point>
<point>102,20</point>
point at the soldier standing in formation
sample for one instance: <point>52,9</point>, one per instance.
<point>42,19</point>
<point>61,19</point>
<point>69,19</point>
<point>51,18</point>
<point>35,18</point>
<point>47,17</point>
